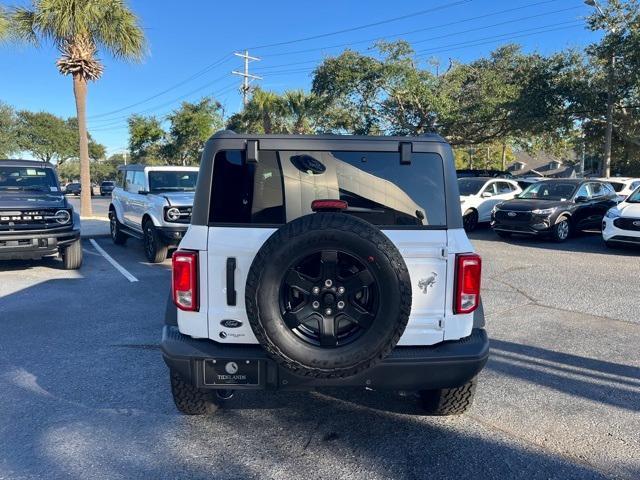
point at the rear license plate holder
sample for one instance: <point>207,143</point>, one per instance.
<point>231,372</point>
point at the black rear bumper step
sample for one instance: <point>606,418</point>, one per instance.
<point>446,365</point>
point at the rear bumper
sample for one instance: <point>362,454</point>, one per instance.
<point>446,365</point>
<point>35,244</point>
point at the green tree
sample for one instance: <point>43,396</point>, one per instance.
<point>190,127</point>
<point>4,24</point>
<point>8,131</point>
<point>78,28</point>
<point>302,111</point>
<point>146,138</point>
<point>46,136</point>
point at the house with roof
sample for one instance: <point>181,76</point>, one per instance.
<point>543,165</point>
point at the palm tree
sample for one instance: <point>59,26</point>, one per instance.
<point>78,28</point>
<point>265,111</point>
<point>302,109</point>
<point>4,24</point>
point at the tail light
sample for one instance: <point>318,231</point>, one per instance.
<point>184,285</point>
<point>468,272</point>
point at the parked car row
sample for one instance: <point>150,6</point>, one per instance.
<point>553,208</point>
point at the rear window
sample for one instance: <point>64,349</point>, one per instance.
<point>617,186</point>
<point>282,186</point>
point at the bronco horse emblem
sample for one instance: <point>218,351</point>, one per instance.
<point>425,283</point>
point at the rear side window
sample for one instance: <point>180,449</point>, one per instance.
<point>246,193</point>
<point>375,185</point>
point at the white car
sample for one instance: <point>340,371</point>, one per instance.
<point>479,195</point>
<point>623,186</point>
<point>621,224</point>
<point>153,204</point>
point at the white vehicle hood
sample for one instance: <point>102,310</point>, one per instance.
<point>629,210</point>
<point>178,199</point>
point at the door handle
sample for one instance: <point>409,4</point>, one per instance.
<point>231,281</point>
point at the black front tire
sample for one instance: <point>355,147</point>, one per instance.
<point>117,235</point>
<point>191,400</point>
<point>470,220</point>
<point>448,401</point>
<point>72,255</point>
<point>154,248</point>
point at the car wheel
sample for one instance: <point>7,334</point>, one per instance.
<point>117,235</point>
<point>470,220</point>
<point>191,400</point>
<point>502,234</point>
<point>72,255</point>
<point>328,295</point>
<point>448,401</point>
<point>154,249</point>
<point>561,230</point>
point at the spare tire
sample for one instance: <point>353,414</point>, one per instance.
<point>328,295</point>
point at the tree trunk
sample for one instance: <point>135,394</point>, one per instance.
<point>504,157</point>
<point>80,93</point>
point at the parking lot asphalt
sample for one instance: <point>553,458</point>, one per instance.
<point>84,392</point>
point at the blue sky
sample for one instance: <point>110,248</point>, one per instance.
<point>191,44</point>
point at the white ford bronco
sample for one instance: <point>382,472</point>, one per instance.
<point>318,261</point>
<point>153,204</point>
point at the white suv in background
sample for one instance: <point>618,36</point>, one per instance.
<point>621,224</point>
<point>478,196</point>
<point>623,186</point>
<point>153,204</point>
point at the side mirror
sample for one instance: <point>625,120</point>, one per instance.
<point>486,194</point>
<point>582,199</point>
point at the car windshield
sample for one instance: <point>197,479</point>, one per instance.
<point>549,191</point>
<point>470,186</point>
<point>28,178</point>
<point>634,197</point>
<point>173,180</point>
<point>107,184</point>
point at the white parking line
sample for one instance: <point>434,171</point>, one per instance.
<point>115,264</point>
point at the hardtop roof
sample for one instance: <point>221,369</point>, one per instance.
<point>25,163</point>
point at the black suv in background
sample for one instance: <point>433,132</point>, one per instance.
<point>107,187</point>
<point>36,220</point>
<point>554,208</point>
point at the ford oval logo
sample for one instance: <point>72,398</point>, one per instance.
<point>512,214</point>
<point>230,323</point>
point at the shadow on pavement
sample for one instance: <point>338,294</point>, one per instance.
<point>605,382</point>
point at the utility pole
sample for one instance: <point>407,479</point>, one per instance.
<point>606,164</point>
<point>246,76</point>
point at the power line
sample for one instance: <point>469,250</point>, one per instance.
<point>444,36</point>
<point>106,127</point>
<point>198,74</point>
<point>476,42</point>
<point>434,27</point>
<point>362,27</point>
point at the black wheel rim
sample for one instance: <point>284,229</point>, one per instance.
<point>329,298</point>
<point>148,242</point>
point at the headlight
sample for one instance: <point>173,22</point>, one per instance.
<point>543,211</point>
<point>613,213</point>
<point>62,216</point>
<point>173,214</point>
